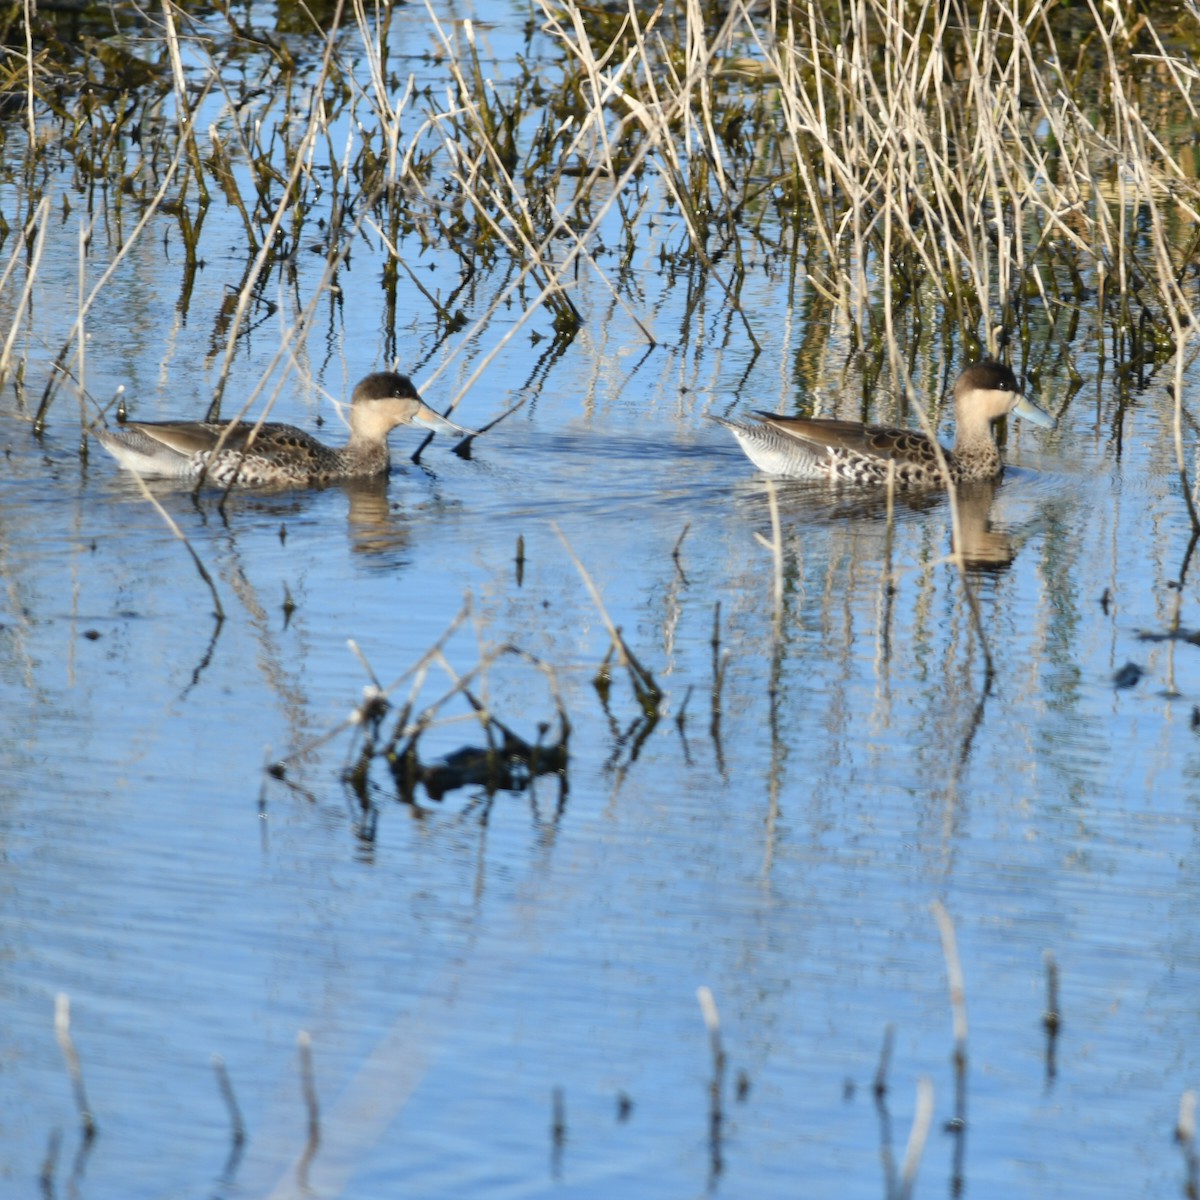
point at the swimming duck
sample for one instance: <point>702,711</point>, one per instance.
<point>808,448</point>
<point>232,453</point>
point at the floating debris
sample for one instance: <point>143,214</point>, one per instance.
<point>1181,634</point>
<point>1128,675</point>
<point>508,767</point>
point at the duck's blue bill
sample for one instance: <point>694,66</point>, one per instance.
<point>1028,411</point>
<point>428,419</point>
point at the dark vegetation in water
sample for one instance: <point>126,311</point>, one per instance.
<point>388,734</point>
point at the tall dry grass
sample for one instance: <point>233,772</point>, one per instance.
<point>1018,172</point>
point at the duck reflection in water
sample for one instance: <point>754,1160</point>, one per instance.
<point>986,546</point>
<point>983,548</point>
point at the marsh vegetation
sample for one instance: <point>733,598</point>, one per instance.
<point>583,227</point>
<point>916,172</point>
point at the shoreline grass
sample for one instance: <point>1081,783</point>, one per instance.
<point>1003,168</point>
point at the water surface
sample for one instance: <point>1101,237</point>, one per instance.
<point>779,837</point>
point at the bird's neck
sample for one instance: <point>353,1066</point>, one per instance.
<point>975,445</point>
<point>366,455</point>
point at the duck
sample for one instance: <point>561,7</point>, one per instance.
<point>241,454</point>
<point>851,452</point>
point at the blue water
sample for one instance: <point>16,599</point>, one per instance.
<point>478,954</point>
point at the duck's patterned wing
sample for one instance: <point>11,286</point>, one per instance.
<point>847,442</point>
<point>872,441</point>
<point>184,438</point>
<point>283,441</point>
<point>190,438</point>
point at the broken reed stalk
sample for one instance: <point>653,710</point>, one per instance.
<point>558,1130</point>
<point>716,1086</point>
<point>879,1090</point>
<point>50,1164</point>
<point>366,666</point>
<point>29,7</point>
<point>225,1087</point>
<point>958,1008</point>
<point>558,1125</point>
<point>62,1031</point>
<point>85,236</point>
<point>720,663</point>
<point>954,979</point>
<point>675,555</point>
<point>917,1136</point>
<point>1185,1135</point>
<point>308,1092</point>
<point>880,1085</point>
<point>1052,1017</point>
<point>715,642</point>
<point>888,577</point>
